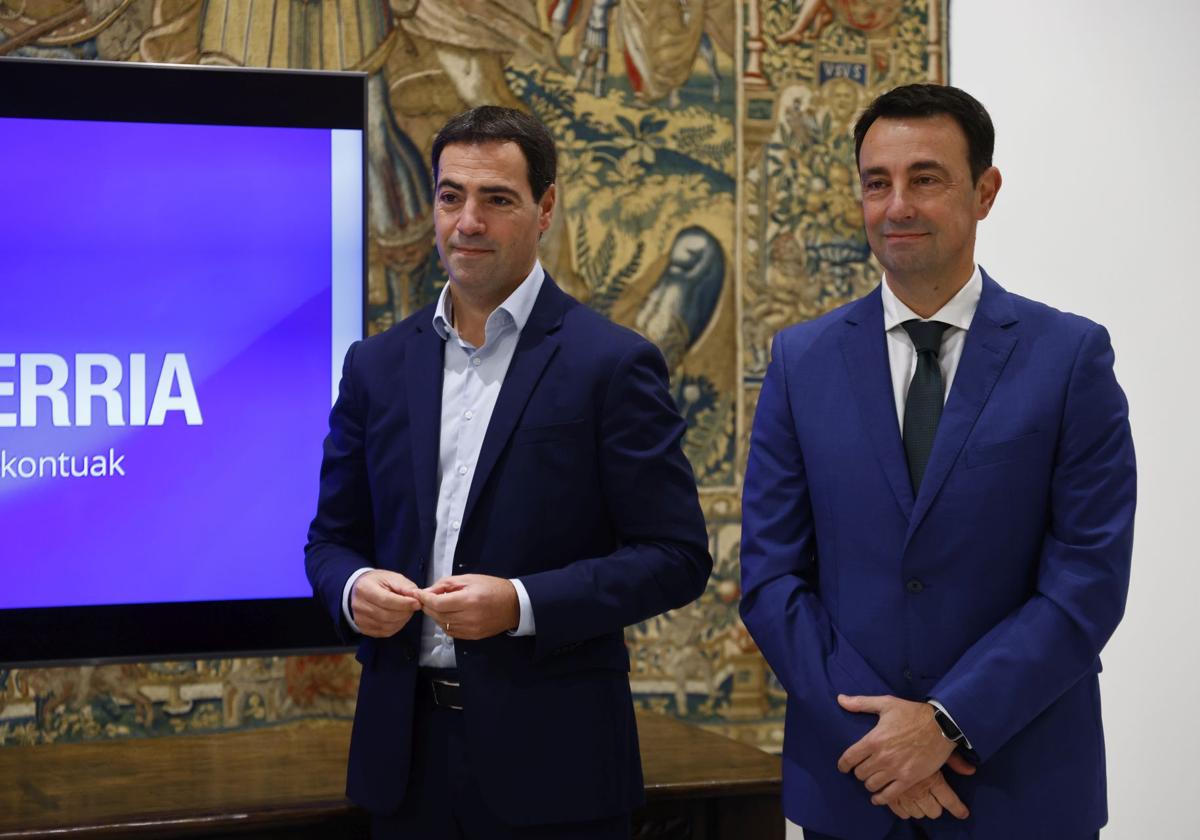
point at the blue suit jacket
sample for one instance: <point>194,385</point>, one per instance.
<point>581,490</point>
<point>993,590</point>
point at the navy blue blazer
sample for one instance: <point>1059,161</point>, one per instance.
<point>581,490</point>
<point>993,590</point>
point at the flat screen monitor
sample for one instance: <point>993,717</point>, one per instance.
<point>181,273</point>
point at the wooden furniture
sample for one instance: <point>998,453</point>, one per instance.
<point>701,786</point>
<point>287,782</point>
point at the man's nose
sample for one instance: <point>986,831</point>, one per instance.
<point>900,206</point>
<point>470,220</point>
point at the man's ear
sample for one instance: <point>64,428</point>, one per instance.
<point>986,189</point>
<point>546,207</point>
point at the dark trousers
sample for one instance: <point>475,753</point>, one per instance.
<point>443,800</point>
<point>902,830</point>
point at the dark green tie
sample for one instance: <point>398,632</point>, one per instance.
<point>923,407</point>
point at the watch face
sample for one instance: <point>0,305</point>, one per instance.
<point>948,728</point>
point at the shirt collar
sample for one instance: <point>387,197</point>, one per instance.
<point>957,312</point>
<point>518,306</point>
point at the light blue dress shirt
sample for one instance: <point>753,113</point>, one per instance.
<point>471,382</point>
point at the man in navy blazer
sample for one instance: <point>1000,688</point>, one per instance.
<point>938,520</point>
<point>503,491</point>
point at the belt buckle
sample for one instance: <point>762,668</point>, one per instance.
<point>444,700</point>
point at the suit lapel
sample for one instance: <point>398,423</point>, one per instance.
<point>423,369</point>
<point>535,348</point>
<point>864,347</point>
<point>986,350</point>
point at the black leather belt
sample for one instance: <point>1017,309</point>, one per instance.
<point>444,687</point>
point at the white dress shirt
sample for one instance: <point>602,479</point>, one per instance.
<point>471,382</point>
<point>902,353</point>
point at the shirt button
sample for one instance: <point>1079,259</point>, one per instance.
<point>468,414</point>
<point>455,524</point>
<point>462,470</point>
<point>914,585</point>
<point>477,361</point>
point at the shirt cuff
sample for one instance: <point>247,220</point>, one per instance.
<point>526,627</point>
<point>346,590</point>
<point>937,705</point>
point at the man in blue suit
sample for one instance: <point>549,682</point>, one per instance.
<point>502,492</point>
<point>938,520</point>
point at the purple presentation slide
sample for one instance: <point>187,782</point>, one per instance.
<point>164,360</point>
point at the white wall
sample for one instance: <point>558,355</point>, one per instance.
<point>1098,140</point>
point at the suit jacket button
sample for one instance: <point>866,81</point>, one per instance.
<point>908,675</point>
<point>408,654</point>
<point>914,585</point>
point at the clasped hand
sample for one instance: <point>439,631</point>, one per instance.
<point>900,761</point>
<point>465,606</point>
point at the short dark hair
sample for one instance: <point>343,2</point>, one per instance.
<point>934,101</point>
<point>493,124</point>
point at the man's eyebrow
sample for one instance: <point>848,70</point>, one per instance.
<point>447,183</point>
<point>500,191</point>
<point>927,166</point>
<point>917,166</point>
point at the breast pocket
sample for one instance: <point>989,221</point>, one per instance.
<point>570,430</point>
<point>1013,449</point>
